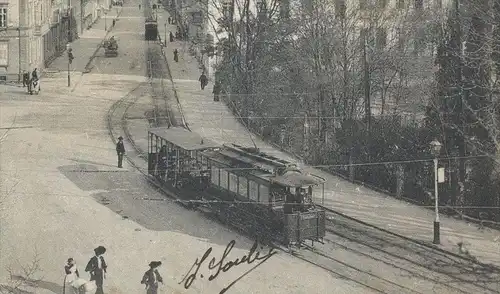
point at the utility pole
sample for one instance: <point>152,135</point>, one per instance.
<point>68,46</point>
<point>19,57</point>
<point>366,86</point>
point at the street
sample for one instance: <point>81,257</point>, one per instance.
<point>62,194</point>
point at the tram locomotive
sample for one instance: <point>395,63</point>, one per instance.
<point>268,198</point>
<point>151,29</point>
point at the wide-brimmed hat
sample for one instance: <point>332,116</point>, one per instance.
<point>100,250</point>
<point>70,260</point>
<point>120,138</point>
<point>155,263</point>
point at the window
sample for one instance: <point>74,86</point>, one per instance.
<point>439,3</point>
<point>215,176</point>
<point>233,183</point>
<point>3,17</point>
<point>4,53</point>
<point>223,179</point>
<point>243,186</point>
<point>401,4</point>
<point>419,4</point>
<point>264,194</point>
<point>381,38</point>
<point>253,188</point>
<point>382,3</point>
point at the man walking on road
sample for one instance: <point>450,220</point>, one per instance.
<point>97,268</point>
<point>120,150</point>
<point>176,55</point>
<point>203,80</point>
<point>152,277</point>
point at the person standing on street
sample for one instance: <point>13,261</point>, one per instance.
<point>120,151</point>
<point>34,75</point>
<point>216,90</point>
<point>171,37</point>
<point>176,55</point>
<point>26,78</point>
<point>203,81</point>
<point>97,268</point>
<point>71,276</point>
<point>152,277</point>
<point>139,6</point>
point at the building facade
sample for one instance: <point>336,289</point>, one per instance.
<point>35,32</point>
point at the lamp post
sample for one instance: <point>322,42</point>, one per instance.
<point>105,22</point>
<point>436,150</point>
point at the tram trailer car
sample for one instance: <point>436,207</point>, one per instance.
<point>265,196</point>
<point>151,29</point>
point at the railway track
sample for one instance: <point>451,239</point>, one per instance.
<point>377,260</point>
<point>387,263</point>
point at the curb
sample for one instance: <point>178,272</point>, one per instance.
<point>87,67</point>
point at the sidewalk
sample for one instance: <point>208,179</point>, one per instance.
<point>215,121</point>
<point>85,47</point>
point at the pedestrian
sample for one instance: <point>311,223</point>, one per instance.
<point>26,78</point>
<point>120,151</point>
<point>72,275</point>
<point>97,268</point>
<point>152,277</point>
<point>203,81</point>
<point>34,75</point>
<point>139,6</point>
<point>177,35</point>
<point>171,37</point>
<point>216,90</point>
<point>114,22</point>
<point>169,20</point>
<point>176,55</point>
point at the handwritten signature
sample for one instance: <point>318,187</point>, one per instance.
<point>224,266</point>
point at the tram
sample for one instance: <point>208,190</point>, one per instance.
<point>151,29</point>
<point>268,198</point>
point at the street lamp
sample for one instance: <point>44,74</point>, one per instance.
<point>105,21</point>
<point>70,58</point>
<point>436,150</point>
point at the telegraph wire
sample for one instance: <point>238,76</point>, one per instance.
<point>298,164</point>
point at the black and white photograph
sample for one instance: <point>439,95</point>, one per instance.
<point>249,146</point>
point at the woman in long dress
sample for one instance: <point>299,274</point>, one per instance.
<point>71,276</point>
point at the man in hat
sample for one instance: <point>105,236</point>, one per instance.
<point>97,268</point>
<point>120,150</point>
<point>152,277</point>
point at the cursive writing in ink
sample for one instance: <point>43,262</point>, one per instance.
<point>223,266</point>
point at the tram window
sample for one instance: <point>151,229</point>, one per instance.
<point>215,176</point>
<point>233,183</point>
<point>264,194</point>
<point>253,189</point>
<point>223,179</point>
<point>243,186</point>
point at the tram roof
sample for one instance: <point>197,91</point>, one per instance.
<point>296,179</point>
<point>184,139</point>
<point>288,179</point>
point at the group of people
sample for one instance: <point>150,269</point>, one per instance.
<point>28,80</point>
<point>97,268</point>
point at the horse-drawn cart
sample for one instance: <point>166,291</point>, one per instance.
<point>110,47</point>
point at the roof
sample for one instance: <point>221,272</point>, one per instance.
<point>290,178</point>
<point>184,139</point>
<point>297,179</point>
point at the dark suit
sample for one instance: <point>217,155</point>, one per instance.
<point>120,150</point>
<point>97,274</point>
<point>151,282</point>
